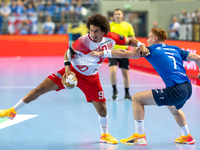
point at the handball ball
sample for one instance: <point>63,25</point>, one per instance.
<point>70,82</point>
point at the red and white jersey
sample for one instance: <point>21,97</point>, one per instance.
<point>83,62</point>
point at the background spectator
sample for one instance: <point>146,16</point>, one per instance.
<point>30,11</point>
<point>25,28</point>
<point>20,10</point>
<point>12,23</point>
<point>36,12</point>
<point>40,9</point>
<point>13,6</point>
<point>195,16</point>
<point>155,24</point>
<point>110,18</point>
<point>77,11</point>
<point>50,8</point>
<point>174,28</point>
<point>5,12</point>
<point>185,17</point>
<point>48,26</point>
<point>62,27</point>
<point>33,24</point>
<point>67,11</point>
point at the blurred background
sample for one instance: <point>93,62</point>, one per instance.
<point>23,17</point>
<point>49,27</point>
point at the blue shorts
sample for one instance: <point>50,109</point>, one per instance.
<point>176,95</point>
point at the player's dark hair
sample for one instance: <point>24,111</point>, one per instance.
<point>160,33</point>
<point>117,9</point>
<point>99,21</point>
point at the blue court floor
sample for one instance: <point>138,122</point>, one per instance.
<point>65,121</point>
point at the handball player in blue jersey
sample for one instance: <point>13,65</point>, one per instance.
<point>168,62</point>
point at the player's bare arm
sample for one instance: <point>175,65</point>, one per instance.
<point>143,51</point>
<point>116,53</point>
<point>67,61</point>
<point>133,37</point>
<point>196,59</point>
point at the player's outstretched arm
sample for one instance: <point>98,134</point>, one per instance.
<point>196,59</point>
<point>116,53</point>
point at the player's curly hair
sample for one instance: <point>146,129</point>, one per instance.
<point>99,21</point>
<point>160,33</point>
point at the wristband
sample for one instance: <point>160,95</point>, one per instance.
<point>66,62</point>
<point>107,53</point>
<point>139,44</point>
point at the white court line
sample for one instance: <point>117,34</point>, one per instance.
<point>17,87</point>
<point>134,85</point>
<point>18,118</point>
<point>104,85</point>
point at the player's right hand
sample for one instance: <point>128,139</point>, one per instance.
<point>67,73</point>
<point>95,54</point>
<point>143,51</point>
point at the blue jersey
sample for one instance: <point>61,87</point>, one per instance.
<point>168,62</point>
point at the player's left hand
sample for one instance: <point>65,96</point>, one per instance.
<point>143,51</point>
<point>95,54</point>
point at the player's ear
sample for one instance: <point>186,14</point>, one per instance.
<point>156,39</point>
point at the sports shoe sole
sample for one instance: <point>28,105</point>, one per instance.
<point>140,142</point>
<point>103,141</point>
<point>191,142</point>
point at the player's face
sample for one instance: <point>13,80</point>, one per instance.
<point>118,16</point>
<point>151,39</point>
<point>96,33</point>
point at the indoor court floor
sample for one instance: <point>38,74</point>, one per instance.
<point>65,121</point>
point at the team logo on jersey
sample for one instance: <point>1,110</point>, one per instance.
<point>101,48</point>
<point>106,47</point>
<point>110,45</point>
<point>105,42</point>
<point>159,48</point>
<point>82,68</point>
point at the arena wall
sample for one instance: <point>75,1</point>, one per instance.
<point>55,45</point>
<point>33,45</point>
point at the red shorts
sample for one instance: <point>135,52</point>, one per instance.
<point>90,85</point>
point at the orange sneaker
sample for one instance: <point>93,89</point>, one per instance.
<point>135,139</point>
<point>9,113</point>
<point>188,139</point>
<point>107,138</point>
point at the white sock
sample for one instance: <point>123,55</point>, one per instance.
<point>139,126</point>
<point>103,124</point>
<point>20,104</point>
<point>185,130</point>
